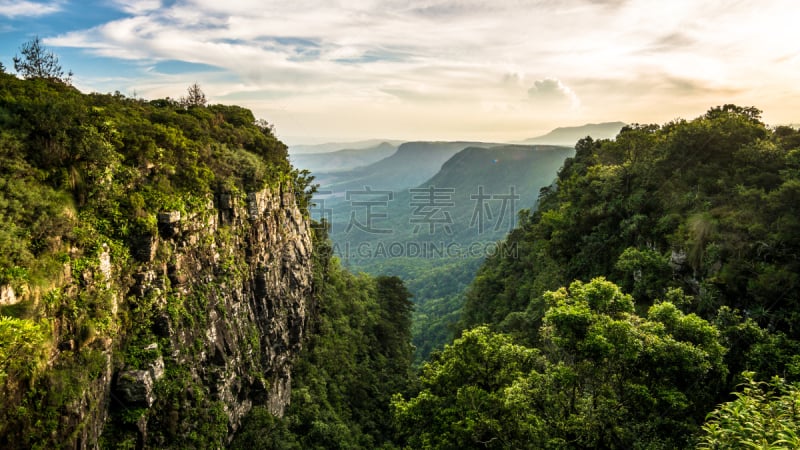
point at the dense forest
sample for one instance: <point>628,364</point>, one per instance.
<point>656,276</point>
<point>649,304</point>
<point>651,299</point>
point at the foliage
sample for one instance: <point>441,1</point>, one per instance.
<point>707,206</point>
<point>763,415</point>
<point>194,97</point>
<point>21,349</point>
<point>701,214</point>
<point>438,286</point>
<point>38,62</point>
<point>463,402</point>
<point>603,377</point>
<point>83,177</point>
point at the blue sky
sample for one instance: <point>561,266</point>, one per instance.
<point>435,69</point>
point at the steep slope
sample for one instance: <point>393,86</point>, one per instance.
<point>412,164</point>
<point>155,270</point>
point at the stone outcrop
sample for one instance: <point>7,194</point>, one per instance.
<point>7,295</point>
<point>230,285</point>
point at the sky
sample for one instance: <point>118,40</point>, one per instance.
<point>501,70</point>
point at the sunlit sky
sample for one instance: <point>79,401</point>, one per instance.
<point>500,70</point>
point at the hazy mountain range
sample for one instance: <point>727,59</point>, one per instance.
<point>335,146</point>
<point>342,159</point>
<point>473,197</point>
<point>571,135</point>
<point>348,164</point>
<point>413,163</point>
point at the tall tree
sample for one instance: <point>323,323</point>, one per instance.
<point>195,97</point>
<point>39,62</point>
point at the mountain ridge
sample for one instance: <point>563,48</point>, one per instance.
<point>570,135</point>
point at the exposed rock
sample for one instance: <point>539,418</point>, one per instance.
<point>105,262</point>
<point>135,387</point>
<point>169,223</point>
<point>7,296</point>
<point>224,293</point>
<point>253,279</point>
<point>677,259</point>
<point>144,248</point>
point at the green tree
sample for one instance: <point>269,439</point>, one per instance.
<point>462,403</point>
<point>39,62</point>
<point>763,415</point>
<point>624,380</point>
<point>21,349</point>
<point>601,377</point>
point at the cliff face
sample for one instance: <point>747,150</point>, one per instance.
<point>229,288</point>
<point>145,300</point>
<point>204,321</point>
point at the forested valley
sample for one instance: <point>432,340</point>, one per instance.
<point>651,300</point>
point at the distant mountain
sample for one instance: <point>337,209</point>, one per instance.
<point>413,163</point>
<point>320,163</point>
<point>570,135</point>
<point>336,146</point>
<point>435,235</point>
<point>474,197</point>
<point>508,177</point>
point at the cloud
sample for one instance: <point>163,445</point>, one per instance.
<point>551,91</point>
<point>15,8</point>
<point>138,6</point>
<point>323,54</point>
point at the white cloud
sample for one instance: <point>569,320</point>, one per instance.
<point>24,8</point>
<point>324,53</point>
<point>551,91</point>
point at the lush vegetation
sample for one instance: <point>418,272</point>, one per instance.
<point>83,177</point>
<point>602,377</point>
<point>763,415</point>
<point>698,221</point>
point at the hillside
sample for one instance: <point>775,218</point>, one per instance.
<point>412,164</point>
<point>340,160</point>
<point>657,274</point>
<point>571,135</point>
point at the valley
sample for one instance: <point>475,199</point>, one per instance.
<point>432,234</point>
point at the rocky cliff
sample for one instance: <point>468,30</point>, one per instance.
<point>155,269</point>
<point>202,322</point>
<point>230,287</point>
